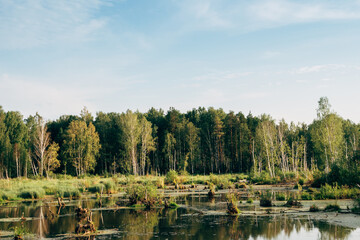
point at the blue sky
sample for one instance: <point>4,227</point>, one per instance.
<point>277,56</point>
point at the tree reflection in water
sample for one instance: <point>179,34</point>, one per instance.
<point>165,223</point>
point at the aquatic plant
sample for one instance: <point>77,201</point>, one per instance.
<point>171,177</point>
<point>240,185</point>
<point>265,199</point>
<point>293,203</point>
<point>31,193</point>
<point>280,197</point>
<point>232,204</point>
<point>143,194</point>
<point>250,200</point>
<point>314,208</point>
<point>332,207</point>
<point>211,192</point>
<point>306,196</point>
<point>20,232</point>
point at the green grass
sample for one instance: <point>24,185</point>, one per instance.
<point>280,197</point>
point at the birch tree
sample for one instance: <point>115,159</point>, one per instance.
<point>147,142</point>
<point>131,132</point>
<point>41,142</point>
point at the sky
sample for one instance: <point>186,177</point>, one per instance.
<point>265,56</point>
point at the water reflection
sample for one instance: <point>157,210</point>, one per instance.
<point>49,220</point>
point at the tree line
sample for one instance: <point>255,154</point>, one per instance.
<point>200,141</point>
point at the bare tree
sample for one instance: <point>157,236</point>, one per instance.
<point>42,141</point>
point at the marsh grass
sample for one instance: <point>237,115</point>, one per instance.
<point>332,208</point>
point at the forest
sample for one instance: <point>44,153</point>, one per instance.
<point>200,141</point>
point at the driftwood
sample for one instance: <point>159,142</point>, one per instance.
<point>61,202</point>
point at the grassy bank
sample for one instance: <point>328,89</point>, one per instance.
<point>73,187</point>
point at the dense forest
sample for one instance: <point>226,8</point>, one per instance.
<point>200,141</point>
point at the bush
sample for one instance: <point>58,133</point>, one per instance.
<point>250,200</point>
<point>356,208</point>
<point>293,203</point>
<point>31,193</point>
<point>280,197</point>
<point>332,208</point>
<point>265,199</point>
<point>7,195</point>
<point>231,204</point>
<point>221,182</point>
<point>301,181</point>
<point>171,177</point>
<point>68,192</point>
<point>139,193</point>
<point>306,196</point>
<point>239,185</point>
<point>314,208</point>
<point>97,188</point>
<point>160,183</point>
<point>109,186</point>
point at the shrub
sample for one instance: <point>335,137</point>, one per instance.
<point>332,208</point>
<point>239,185</point>
<point>139,193</point>
<point>171,177</point>
<point>265,199</point>
<point>298,186</point>
<point>280,197</point>
<point>314,208</point>
<point>356,208</point>
<point>68,192</point>
<point>231,204</point>
<point>7,195</point>
<point>97,188</point>
<point>109,186</point>
<point>32,193</point>
<point>301,181</point>
<point>160,183</point>
<point>249,200</point>
<point>306,196</point>
<point>293,203</point>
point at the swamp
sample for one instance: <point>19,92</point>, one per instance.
<point>150,207</point>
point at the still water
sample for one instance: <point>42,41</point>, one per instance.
<point>198,218</point>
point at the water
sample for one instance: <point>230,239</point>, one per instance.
<point>197,218</point>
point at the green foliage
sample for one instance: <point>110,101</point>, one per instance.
<point>306,196</point>
<point>240,185</point>
<point>221,182</point>
<point>250,200</point>
<point>356,208</point>
<point>266,199</point>
<point>314,208</point>
<point>332,208</point>
<point>336,192</point>
<point>264,178</point>
<point>31,193</point>
<point>232,204</point>
<point>171,177</point>
<point>293,203</point>
<point>280,197</point>
<point>139,193</point>
<point>97,188</point>
<point>68,192</point>
<point>20,232</point>
<point>301,181</point>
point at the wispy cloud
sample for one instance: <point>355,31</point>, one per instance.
<point>325,67</point>
<point>205,14</point>
<point>34,23</point>
<point>254,15</point>
<point>284,12</point>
